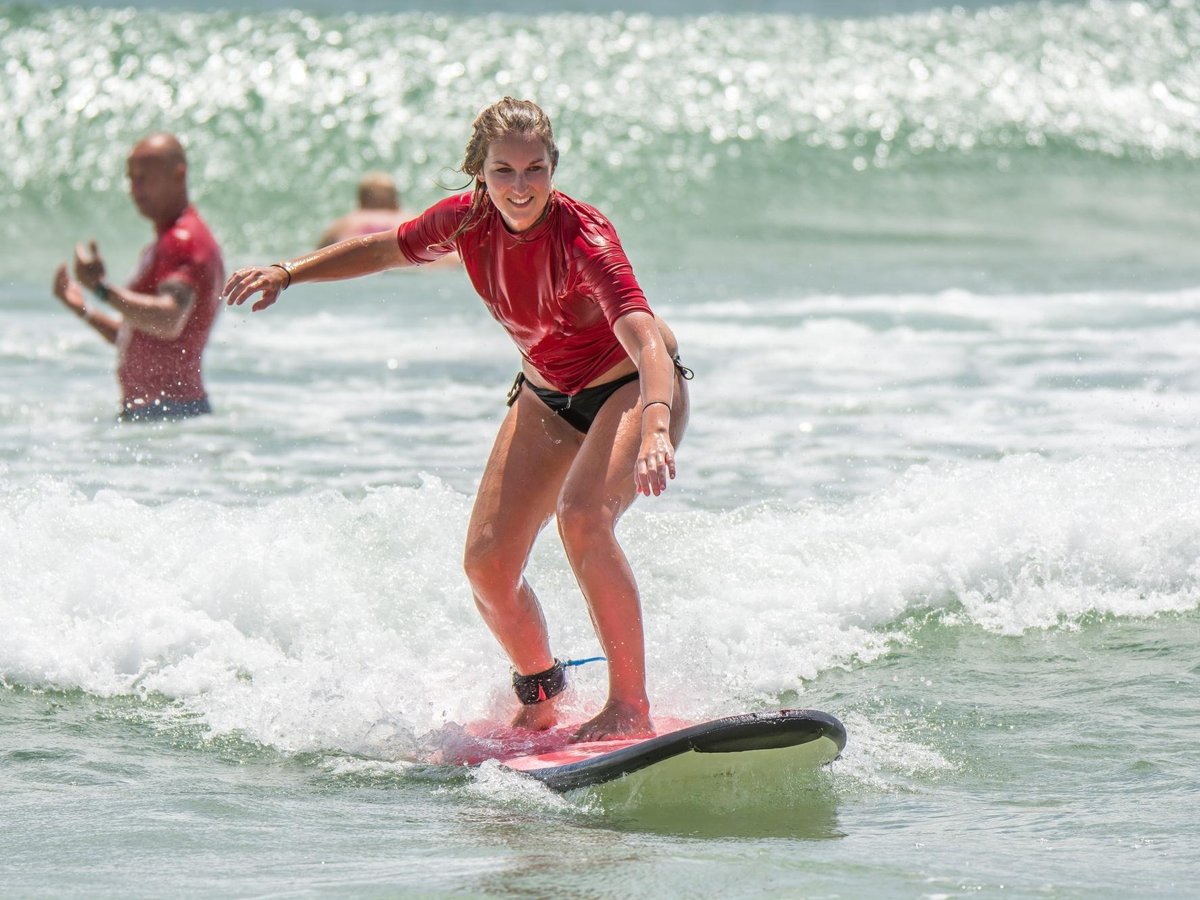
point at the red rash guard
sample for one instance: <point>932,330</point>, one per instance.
<point>557,288</point>
<point>151,368</point>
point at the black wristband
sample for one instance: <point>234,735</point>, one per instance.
<point>101,290</point>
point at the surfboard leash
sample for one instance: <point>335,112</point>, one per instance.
<point>541,686</point>
<point>580,662</point>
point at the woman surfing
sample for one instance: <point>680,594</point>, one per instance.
<point>595,414</point>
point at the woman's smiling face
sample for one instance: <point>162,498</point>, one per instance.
<point>518,172</point>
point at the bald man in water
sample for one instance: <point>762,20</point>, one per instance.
<point>166,311</point>
<point>378,210</point>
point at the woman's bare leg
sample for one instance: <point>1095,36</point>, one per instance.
<point>598,489</point>
<point>530,458</point>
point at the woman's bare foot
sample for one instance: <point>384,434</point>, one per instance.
<point>537,716</point>
<point>616,721</point>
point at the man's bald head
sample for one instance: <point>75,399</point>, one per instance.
<point>160,146</point>
<point>157,168</point>
<point>377,190</point>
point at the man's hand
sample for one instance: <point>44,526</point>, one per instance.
<point>69,291</point>
<point>89,267</point>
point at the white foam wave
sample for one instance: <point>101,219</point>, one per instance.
<point>321,622</point>
<point>879,759</point>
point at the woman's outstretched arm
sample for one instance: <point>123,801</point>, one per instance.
<point>349,259</point>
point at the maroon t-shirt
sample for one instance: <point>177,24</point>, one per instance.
<point>151,368</point>
<point>556,288</point>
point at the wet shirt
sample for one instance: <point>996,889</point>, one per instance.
<point>557,288</point>
<point>150,368</point>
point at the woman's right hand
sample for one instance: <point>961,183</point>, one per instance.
<point>245,283</point>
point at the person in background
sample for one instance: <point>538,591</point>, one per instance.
<point>166,312</point>
<point>378,210</point>
<point>595,413</point>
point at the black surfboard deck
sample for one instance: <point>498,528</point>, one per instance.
<point>790,739</point>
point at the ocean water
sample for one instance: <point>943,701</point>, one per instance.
<point>936,270</point>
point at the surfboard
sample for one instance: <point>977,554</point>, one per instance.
<point>774,743</point>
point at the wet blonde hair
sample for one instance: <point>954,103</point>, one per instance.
<point>507,116</point>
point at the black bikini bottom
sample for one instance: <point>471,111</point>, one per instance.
<point>580,410</point>
<point>577,410</point>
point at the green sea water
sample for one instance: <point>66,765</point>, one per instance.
<point>981,147</point>
<point>1060,763</point>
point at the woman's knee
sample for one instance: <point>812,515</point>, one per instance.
<point>583,522</point>
<point>489,567</point>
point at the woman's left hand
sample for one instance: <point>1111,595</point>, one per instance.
<point>642,338</point>
<point>655,461</point>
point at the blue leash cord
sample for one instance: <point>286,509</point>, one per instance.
<point>580,662</point>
